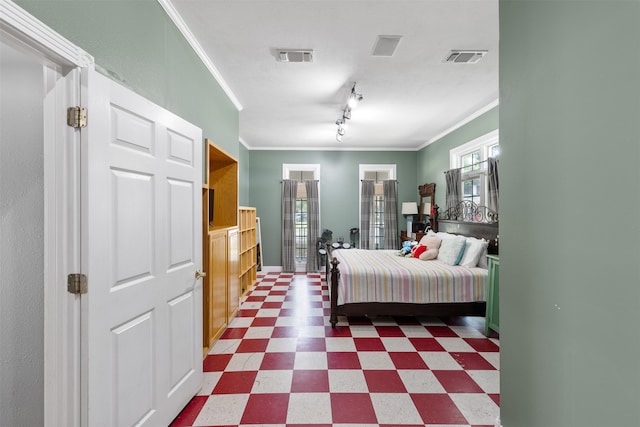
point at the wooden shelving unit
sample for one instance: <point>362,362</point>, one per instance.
<point>222,183</point>
<point>220,237</point>
<point>248,248</point>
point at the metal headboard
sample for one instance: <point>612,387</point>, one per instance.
<point>468,211</point>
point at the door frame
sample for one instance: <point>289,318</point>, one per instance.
<point>61,146</point>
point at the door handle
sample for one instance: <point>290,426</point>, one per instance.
<point>200,274</point>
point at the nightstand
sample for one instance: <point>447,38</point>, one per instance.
<point>492,318</point>
<point>404,237</point>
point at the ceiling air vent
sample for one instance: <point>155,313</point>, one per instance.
<point>385,45</point>
<point>295,55</point>
<point>465,56</point>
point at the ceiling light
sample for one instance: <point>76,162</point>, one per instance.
<point>352,101</point>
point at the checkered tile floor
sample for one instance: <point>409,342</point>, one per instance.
<point>279,363</point>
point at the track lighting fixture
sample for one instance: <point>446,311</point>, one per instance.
<point>352,101</point>
<point>341,129</point>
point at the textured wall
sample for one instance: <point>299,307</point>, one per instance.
<point>21,240</point>
<point>245,175</point>
<point>569,210</point>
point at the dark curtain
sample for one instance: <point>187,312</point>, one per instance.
<point>454,190</point>
<point>313,226</point>
<point>289,192</point>
<point>493,184</point>
<point>390,215</point>
<point>366,209</point>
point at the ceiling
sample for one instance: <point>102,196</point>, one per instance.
<point>410,98</point>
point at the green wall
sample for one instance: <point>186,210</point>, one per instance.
<point>569,213</point>
<point>433,160</point>
<point>244,175</point>
<point>339,186</point>
<point>135,43</point>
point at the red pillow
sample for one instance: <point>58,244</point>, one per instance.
<point>417,250</point>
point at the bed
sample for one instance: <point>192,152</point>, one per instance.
<point>382,283</point>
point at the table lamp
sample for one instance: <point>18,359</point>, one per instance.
<point>409,209</point>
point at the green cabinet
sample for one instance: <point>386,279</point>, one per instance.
<point>492,320</point>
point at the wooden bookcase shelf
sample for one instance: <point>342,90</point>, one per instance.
<point>222,185</point>
<point>221,243</point>
<point>248,248</point>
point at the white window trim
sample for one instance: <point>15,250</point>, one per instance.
<point>288,167</point>
<point>486,140</point>
<point>390,168</point>
<point>481,143</point>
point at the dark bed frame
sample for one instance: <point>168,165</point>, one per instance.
<point>467,219</point>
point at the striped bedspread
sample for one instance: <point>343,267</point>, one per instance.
<point>382,276</point>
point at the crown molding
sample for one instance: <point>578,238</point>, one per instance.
<point>461,123</point>
<point>171,11</point>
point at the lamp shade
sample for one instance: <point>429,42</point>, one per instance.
<point>409,208</point>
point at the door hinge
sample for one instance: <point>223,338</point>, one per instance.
<point>77,284</point>
<point>77,117</point>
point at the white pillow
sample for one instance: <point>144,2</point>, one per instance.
<point>472,251</point>
<point>451,249</point>
<point>443,235</point>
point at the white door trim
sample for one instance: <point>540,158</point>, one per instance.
<point>16,21</point>
<point>62,208</point>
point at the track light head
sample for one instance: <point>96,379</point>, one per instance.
<point>341,129</point>
<point>354,98</point>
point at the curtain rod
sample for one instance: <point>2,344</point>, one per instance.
<point>360,180</point>
<point>468,166</point>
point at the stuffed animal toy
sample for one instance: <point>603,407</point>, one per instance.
<point>417,250</point>
<point>431,246</point>
<point>406,247</point>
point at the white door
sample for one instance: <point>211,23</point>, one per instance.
<point>141,246</point>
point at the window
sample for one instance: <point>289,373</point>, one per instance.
<point>301,172</point>
<point>377,173</point>
<point>471,158</point>
<point>301,227</point>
